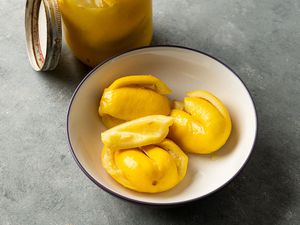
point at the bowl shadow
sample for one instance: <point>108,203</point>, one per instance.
<point>260,194</point>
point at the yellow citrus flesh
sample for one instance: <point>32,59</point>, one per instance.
<point>151,169</point>
<point>203,126</point>
<point>140,132</point>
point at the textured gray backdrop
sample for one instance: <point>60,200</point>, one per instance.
<point>40,182</point>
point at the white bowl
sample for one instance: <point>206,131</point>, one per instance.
<point>183,70</point>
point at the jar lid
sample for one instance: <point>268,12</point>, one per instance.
<point>43,34</point>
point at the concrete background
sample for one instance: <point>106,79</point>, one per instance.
<point>41,184</point>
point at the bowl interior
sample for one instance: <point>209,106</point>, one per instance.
<point>182,70</point>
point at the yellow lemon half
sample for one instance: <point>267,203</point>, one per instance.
<point>132,97</point>
<point>150,169</point>
<point>203,126</point>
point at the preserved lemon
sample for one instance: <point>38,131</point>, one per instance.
<point>132,97</point>
<point>140,132</point>
<point>98,29</point>
<point>204,124</point>
<point>137,155</point>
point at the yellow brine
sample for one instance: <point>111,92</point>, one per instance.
<point>98,29</point>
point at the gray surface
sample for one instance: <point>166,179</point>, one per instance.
<point>40,182</point>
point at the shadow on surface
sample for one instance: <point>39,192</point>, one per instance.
<point>69,71</point>
<point>261,194</point>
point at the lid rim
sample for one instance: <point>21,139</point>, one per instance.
<point>54,34</point>
<point>38,61</point>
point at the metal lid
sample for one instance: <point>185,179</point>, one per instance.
<point>43,49</point>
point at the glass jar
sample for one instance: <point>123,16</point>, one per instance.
<point>98,29</point>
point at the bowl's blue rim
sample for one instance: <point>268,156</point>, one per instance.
<point>148,203</point>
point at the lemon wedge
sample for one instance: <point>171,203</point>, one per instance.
<point>203,126</point>
<point>146,81</point>
<point>150,169</point>
<point>132,97</point>
<point>140,132</point>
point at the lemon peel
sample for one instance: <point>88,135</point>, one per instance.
<point>143,131</point>
<point>132,97</point>
<point>203,126</point>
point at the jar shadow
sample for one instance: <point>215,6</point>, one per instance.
<point>69,71</point>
